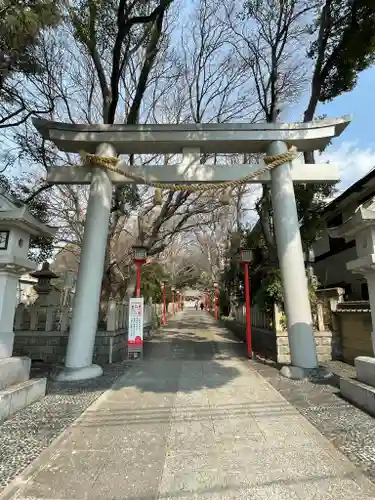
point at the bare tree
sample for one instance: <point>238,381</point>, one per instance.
<point>211,87</point>
<point>116,64</point>
<point>101,53</point>
<point>270,37</point>
<point>22,74</point>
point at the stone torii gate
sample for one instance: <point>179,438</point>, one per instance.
<point>191,140</point>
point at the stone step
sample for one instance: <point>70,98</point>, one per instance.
<point>360,394</point>
<point>13,371</point>
<point>365,369</point>
<point>18,396</point>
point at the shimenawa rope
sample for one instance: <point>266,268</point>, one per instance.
<point>111,163</point>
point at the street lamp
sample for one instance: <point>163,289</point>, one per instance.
<point>164,289</point>
<point>173,292</point>
<point>216,288</point>
<point>139,258</point>
<point>309,263</point>
<point>246,256</point>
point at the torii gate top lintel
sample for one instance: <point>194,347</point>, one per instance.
<point>208,137</point>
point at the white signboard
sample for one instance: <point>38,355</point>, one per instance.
<point>135,330</point>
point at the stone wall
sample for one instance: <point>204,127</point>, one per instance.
<point>355,325</point>
<point>110,347</point>
<point>342,329</point>
<point>51,346</point>
<point>270,336</point>
<point>323,341</point>
<point>41,332</point>
<point>323,337</point>
<point>263,333</point>
<point>264,341</point>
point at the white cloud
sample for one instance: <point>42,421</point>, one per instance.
<point>352,161</point>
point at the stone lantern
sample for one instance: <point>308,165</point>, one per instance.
<point>44,277</point>
<point>17,226</point>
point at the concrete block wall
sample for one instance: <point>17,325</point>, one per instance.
<point>270,337</point>
<point>324,337</point>
<point>342,329</point>
<point>40,345</point>
<point>51,346</point>
<point>41,333</point>
<point>355,328</point>
<point>323,341</point>
<point>110,347</point>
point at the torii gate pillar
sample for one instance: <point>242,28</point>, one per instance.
<point>79,354</point>
<point>290,253</point>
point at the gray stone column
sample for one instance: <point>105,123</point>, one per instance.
<point>370,277</point>
<point>289,249</point>
<point>78,363</point>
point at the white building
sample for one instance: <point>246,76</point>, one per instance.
<point>332,254</point>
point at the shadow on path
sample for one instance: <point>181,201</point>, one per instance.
<point>190,353</point>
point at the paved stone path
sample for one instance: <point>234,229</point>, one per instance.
<point>349,429</point>
<point>192,421</point>
<point>31,430</point>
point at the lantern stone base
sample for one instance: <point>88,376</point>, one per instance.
<point>83,373</point>
<point>6,344</point>
<point>16,390</point>
<point>361,390</point>
<point>13,371</point>
<point>365,368</point>
<point>362,395</point>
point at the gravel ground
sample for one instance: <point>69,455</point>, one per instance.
<point>350,429</point>
<point>24,436</point>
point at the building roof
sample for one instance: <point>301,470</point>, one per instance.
<point>356,192</point>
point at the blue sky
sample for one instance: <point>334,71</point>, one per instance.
<point>354,150</point>
<point>360,104</point>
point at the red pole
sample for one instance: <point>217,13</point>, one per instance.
<point>216,304</point>
<point>248,313</point>
<point>164,304</point>
<point>138,282</point>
